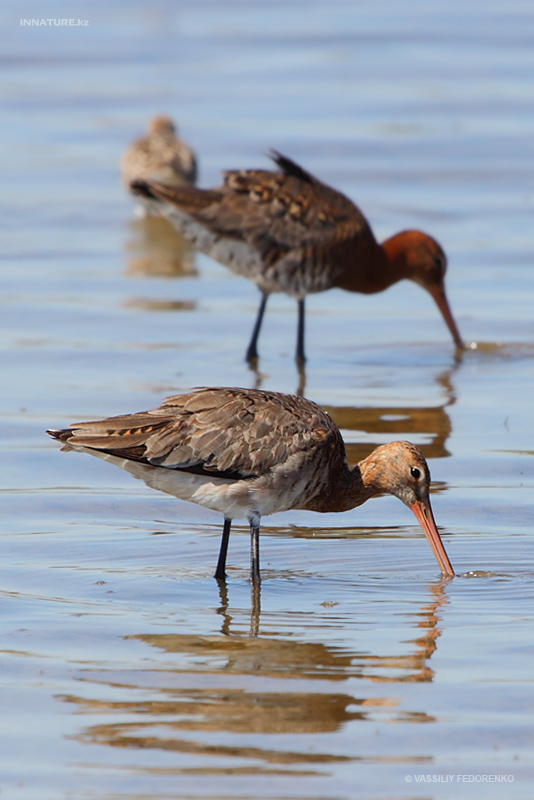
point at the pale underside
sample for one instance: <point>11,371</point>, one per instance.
<point>162,158</point>
<point>235,499</point>
<point>291,274</point>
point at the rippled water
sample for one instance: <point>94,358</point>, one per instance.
<point>126,671</point>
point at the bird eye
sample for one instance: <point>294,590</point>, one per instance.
<point>415,473</point>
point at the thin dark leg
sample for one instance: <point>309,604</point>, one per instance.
<point>299,391</point>
<point>220,572</point>
<point>255,552</point>
<point>255,609</point>
<point>300,357</point>
<point>252,351</point>
<point>223,608</point>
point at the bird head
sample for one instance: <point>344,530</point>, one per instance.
<point>421,259</point>
<point>162,124</point>
<point>400,469</point>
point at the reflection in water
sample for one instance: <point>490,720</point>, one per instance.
<point>234,684</point>
<point>255,607</point>
<point>415,665</point>
<point>155,248</point>
<point>259,377</point>
<point>399,422</point>
<point>148,304</point>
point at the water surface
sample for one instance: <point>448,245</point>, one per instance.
<point>127,672</point>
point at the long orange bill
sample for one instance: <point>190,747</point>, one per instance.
<point>438,293</point>
<point>423,511</point>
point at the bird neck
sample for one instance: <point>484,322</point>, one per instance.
<point>347,490</point>
<point>375,267</point>
<point>369,478</point>
<point>372,476</point>
<point>396,250</point>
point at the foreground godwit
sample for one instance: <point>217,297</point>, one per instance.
<point>248,453</point>
<point>160,154</point>
<point>288,232</point>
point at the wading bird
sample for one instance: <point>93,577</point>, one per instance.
<point>161,155</point>
<point>288,232</point>
<point>249,453</point>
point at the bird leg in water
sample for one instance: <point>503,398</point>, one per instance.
<point>300,357</point>
<point>252,351</point>
<point>255,550</point>
<point>220,572</point>
<point>255,609</point>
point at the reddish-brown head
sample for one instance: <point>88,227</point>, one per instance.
<point>418,257</point>
<point>399,468</point>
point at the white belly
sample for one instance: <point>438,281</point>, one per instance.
<point>240,257</point>
<point>235,499</point>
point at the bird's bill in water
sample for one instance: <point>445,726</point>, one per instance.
<point>438,293</point>
<point>425,518</point>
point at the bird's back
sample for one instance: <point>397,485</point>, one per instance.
<point>284,229</point>
<point>279,448</point>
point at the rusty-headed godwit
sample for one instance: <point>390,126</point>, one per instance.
<point>288,232</point>
<point>249,453</point>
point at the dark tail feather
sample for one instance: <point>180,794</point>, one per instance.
<point>142,189</point>
<point>62,435</point>
<point>290,167</point>
<point>186,197</point>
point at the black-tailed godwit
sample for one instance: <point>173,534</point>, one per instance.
<point>289,232</point>
<point>159,155</point>
<point>249,453</point>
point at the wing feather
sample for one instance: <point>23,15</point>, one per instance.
<point>274,212</point>
<point>241,433</point>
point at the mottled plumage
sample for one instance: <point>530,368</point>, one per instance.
<point>289,232</point>
<point>249,453</point>
<point>159,155</point>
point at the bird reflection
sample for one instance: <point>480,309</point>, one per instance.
<point>255,608</point>
<point>259,377</point>
<point>417,423</point>
<point>443,379</point>
<point>155,249</point>
<point>415,665</point>
<point>232,683</point>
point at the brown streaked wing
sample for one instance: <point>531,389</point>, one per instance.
<point>243,432</point>
<point>125,435</point>
<point>189,198</point>
<point>261,206</point>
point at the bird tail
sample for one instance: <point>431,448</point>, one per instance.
<point>188,198</point>
<point>290,167</point>
<point>62,435</point>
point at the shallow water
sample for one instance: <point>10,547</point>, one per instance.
<point>127,672</point>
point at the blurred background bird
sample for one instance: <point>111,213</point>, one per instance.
<point>159,154</point>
